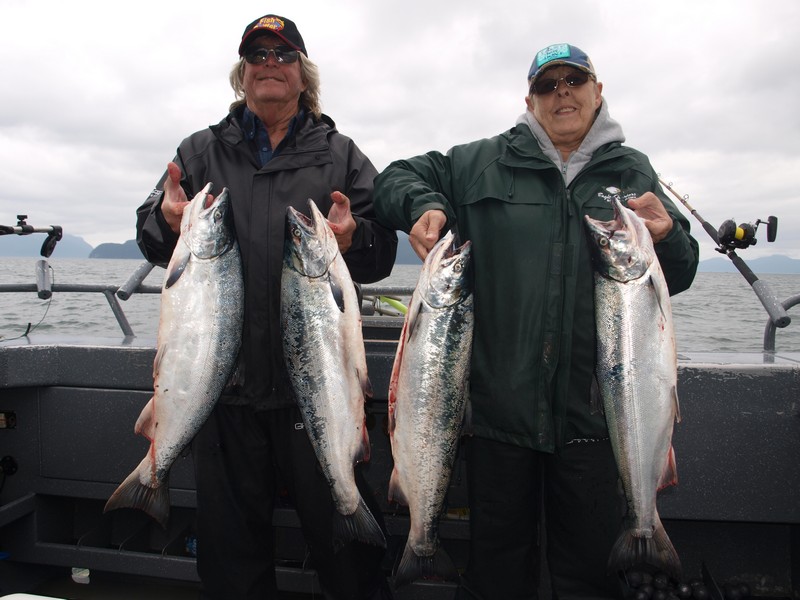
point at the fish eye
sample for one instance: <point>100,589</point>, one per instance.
<point>458,266</point>
<point>217,215</point>
<point>296,232</point>
<point>602,242</point>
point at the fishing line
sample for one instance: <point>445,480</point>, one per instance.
<point>30,327</point>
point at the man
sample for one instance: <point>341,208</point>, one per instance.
<point>520,198</point>
<point>273,150</point>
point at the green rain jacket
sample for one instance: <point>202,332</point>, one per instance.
<point>534,342</point>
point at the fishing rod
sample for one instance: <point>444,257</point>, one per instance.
<point>54,233</point>
<point>728,238</point>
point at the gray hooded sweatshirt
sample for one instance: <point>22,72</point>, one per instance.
<point>603,130</point>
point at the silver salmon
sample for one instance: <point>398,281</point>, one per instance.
<point>327,364</point>
<point>637,376</point>
<point>199,334</point>
<point>428,396</point>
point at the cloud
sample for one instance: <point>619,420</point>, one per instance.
<point>95,100</point>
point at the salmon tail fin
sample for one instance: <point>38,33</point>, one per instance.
<point>361,526</point>
<point>656,550</point>
<point>670,475</point>
<point>413,567</point>
<point>132,493</point>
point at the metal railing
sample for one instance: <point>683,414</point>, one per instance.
<point>375,295</point>
<point>769,330</point>
<point>380,299</point>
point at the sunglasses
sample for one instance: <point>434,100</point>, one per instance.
<point>283,55</point>
<point>548,85</point>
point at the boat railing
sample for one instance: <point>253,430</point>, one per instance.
<point>769,330</point>
<point>376,299</point>
<point>385,300</point>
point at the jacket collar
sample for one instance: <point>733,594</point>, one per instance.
<point>310,132</point>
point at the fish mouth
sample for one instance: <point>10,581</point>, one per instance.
<point>311,239</point>
<point>198,207</point>
<point>616,246</point>
<point>448,247</point>
<point>310,226</point>
<point>607,229</point>
<point>445,276</point>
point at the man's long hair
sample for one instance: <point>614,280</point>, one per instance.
<point>309,99</point>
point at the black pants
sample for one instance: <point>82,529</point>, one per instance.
<point>239,455</point>
<point>509,489</point>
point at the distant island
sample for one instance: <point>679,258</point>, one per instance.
<point>72,246</point>
<point>127,250</point>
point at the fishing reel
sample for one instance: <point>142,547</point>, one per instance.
<point>54,233</point>
<point>732,236</point>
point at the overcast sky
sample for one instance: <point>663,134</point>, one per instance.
<point>97,95</point>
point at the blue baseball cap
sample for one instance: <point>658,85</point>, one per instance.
<point>559,54</point>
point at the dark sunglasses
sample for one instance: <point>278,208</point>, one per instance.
<point>548,85</point>
<point>283,54</point>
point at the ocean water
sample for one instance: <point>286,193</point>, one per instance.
<point>720,313</point>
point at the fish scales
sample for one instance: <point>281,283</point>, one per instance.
<point>199,334</point>
<point>326,360</point>
<point>637,376</point>
<point>427,401</point>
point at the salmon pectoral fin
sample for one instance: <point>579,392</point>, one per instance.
<point>336,292</point>
<point>361,526</point>
<point>177,265</point>
<point>131,493</point>
<point>397,364</point>
<point>662,294</point>
<point>410,324</point>
<point>413,567</point>
<point>670,475</point>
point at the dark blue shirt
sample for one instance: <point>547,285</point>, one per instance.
<point>256,132</point>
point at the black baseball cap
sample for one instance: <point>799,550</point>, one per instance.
<point>280,26</point>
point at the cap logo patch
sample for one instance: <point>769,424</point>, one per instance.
<point>271,23</point>
<point>552,53</point>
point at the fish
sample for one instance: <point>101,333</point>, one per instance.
<point>198,341</point>
<point>428,401</point>
<point>326,360</point>
<point>636,373</point>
